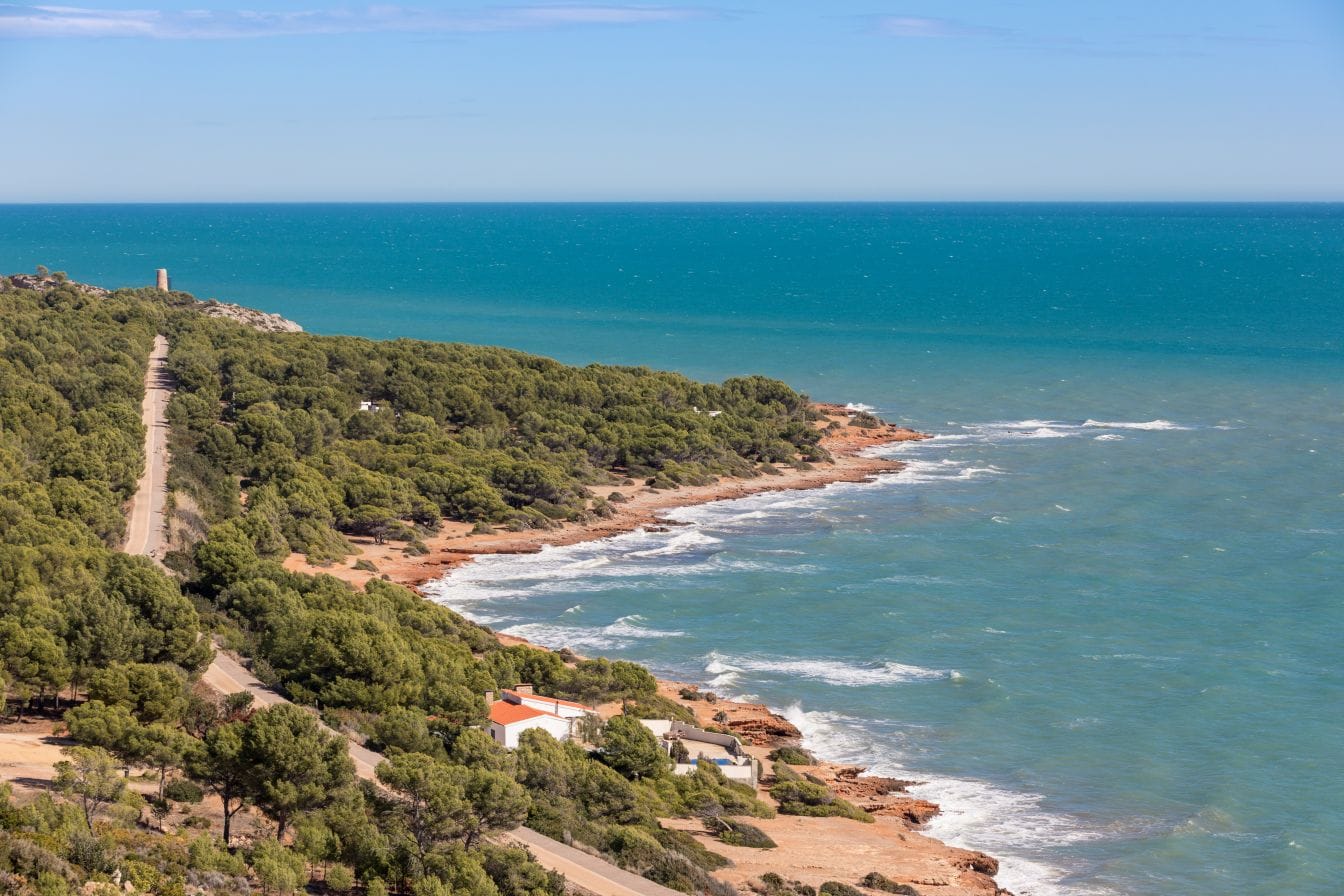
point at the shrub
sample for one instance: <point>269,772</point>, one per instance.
<point>277,868</point>
<point>365,565</point>
<point>677,873</point>
<point>690,848</point>
<point>806,798</point>
<point>739,833</point>
<point>657,706</point>
<point>877,881</point>
<point>181,790</point>
<point>340,879</point>
<point>865,420</point>
<point>771,884</point>
<point>835,888</point>
<point>792,756</point>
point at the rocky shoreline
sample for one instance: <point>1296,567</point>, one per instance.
<point>810,850</point>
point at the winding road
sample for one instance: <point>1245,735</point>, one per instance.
<point>145,536</point>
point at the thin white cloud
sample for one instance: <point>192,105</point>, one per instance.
<point>67,21</point>
<point>925,27</point>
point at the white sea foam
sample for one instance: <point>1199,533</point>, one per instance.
<point>1108,437</point>
<point>590,563</point>
<point>834,672</point>
<point>725,675</point>
<point>618,635</point>
<point>683,543</point>
<point>1010,825</point>
<point>858,407</point>
<point>1001,431</point>
<point>1150,425</point>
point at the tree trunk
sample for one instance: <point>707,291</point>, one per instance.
<point>226,796</point>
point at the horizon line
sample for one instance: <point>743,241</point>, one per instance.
<point>483,202</point>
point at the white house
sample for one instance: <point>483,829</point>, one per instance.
<point>520,710</point>
<point>723,750</point>
<point>509,720</point>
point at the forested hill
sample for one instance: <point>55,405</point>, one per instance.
<point>288,442</point>
<point>468,433</point>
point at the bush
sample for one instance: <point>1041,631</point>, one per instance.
<point>771,884</point>
<point>657,706</point>
<point>877,881</point>
<point>277,868</point>
<point>865,420</point>
<point>739,833</point>
<point>692,849</point>
<point>792,756</point>
<point>365,565</point>
<point>806,798</point>
<point>181,790</point>
<point>340,879</point>
<point>835,888</point>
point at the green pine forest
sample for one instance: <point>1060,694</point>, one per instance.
<point>272,455</point>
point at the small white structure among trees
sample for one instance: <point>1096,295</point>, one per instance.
<point>521,710</point>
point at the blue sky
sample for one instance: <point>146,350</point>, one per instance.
<point>883,100</point>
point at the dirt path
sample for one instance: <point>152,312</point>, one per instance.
<point>146,526</point>
<point>27,756</point>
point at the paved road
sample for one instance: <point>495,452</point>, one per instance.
<point>145,535</point>
<point>586,872</point>
<point>146,528</point>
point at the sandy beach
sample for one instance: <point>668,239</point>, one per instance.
<point>811,850</point>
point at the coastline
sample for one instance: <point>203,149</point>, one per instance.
<point>810,850</point>
<point>455,544</point>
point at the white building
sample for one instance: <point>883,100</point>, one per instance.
<point>723,750</point>
<point>520,710</point>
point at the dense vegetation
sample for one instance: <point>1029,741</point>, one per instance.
<point>459,432</point>
<point>272,454</point>
<point>71,381</point>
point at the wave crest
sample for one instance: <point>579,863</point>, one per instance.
<point>829,671</point>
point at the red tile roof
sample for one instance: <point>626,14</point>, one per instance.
<point>504,713</point>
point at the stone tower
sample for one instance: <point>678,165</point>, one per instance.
<point>162,279</point>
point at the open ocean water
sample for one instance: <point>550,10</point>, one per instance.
<point>1100,614</point>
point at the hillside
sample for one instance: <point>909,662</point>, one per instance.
<point>277,446</point>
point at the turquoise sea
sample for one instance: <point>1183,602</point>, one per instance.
<point>1099,615</point>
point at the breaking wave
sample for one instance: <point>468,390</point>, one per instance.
<point>616,636</point>
<point>1013,826</point>
<point>834,672</point>
<point>1156,425</point>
